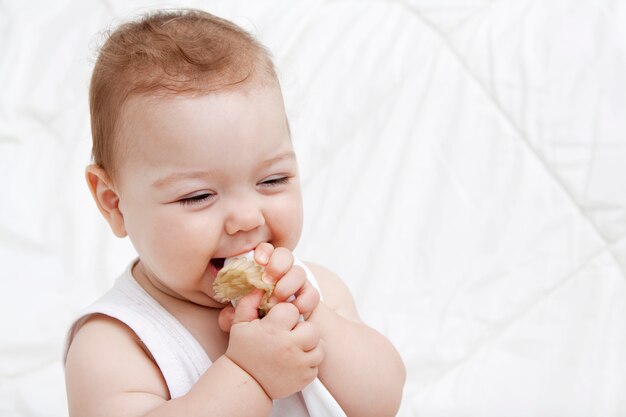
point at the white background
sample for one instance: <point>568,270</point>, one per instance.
<point>464,171</point>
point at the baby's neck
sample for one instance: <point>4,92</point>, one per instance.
<point>200,321</point>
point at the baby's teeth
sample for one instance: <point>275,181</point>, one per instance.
<point>248,255</point>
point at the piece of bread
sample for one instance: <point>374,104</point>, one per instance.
<point>239,276</point>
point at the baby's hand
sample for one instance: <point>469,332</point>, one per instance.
<point>280,352</point>
<point>290,280</point>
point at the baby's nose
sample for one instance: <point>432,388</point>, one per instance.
<point>244,217</point>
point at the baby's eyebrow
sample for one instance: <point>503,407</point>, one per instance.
<point>286,155</point>
<point>179,176</point>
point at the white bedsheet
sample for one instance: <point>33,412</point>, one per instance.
<point>464,170</point>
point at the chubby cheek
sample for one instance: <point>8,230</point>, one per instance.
<point>173,245</point>
<point>285,222</point>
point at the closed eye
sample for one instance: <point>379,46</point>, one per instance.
<point>274,181</point>
<point>196,199</point>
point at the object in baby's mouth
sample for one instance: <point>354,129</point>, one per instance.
<point>239,276</point>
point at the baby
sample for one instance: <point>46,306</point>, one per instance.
<point>193,161</point>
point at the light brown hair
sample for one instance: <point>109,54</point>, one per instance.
<point>182,51</point>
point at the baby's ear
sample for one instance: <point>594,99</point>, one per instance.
<point>106,198</point>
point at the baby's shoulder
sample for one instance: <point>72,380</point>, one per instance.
<point>106,353</point>
<point>98,332</point>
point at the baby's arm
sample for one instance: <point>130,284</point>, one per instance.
<point>108,373</point>
<point>361,368</point>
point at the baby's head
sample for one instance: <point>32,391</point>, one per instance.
<point>192,150</point>
<point>168,53</point>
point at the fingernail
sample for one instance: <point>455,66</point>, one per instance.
<point>261,258</point>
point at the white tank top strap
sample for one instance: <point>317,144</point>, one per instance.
<point>177,353</point>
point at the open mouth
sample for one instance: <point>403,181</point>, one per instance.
<point>218,263</point>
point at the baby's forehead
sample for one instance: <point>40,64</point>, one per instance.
<point>164,98</point>
<point>194,132</point>
<point>143,114</point>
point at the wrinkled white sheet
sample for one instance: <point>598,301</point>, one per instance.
<point>464,171</point>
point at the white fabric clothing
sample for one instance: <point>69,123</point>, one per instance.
<point>178,354</point>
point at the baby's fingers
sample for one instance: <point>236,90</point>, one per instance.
<point>263,252</point>
<point>283,316</point>
<point>225,318</point>
<point>279,264</point>
<point>307,299</point>
<point>248,307</point>
<point>315,357</point>
<point>306,335</point>
<point>289,284</point>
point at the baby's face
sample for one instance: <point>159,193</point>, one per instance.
<point>204,178</point>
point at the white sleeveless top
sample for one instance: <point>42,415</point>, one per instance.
<point>179,355</point>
